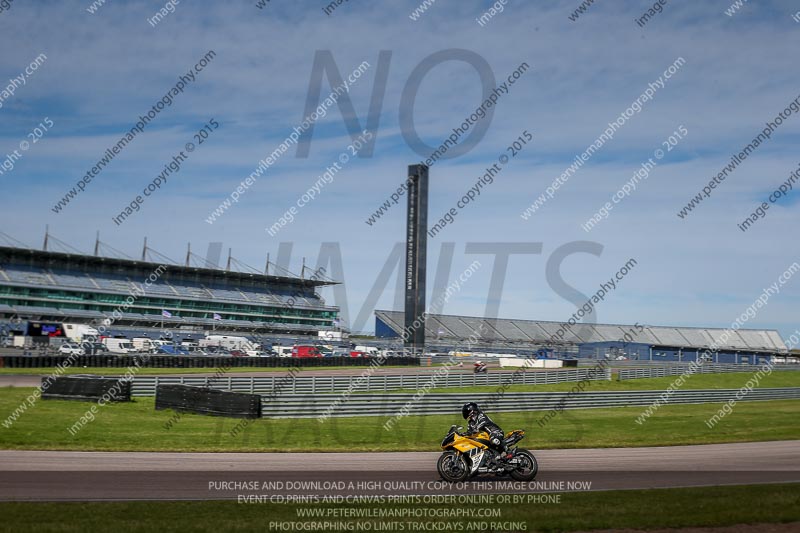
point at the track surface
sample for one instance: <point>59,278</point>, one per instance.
<point>85,476</point>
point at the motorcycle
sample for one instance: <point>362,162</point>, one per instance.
<point>480,368</point>
<point>466,456</point>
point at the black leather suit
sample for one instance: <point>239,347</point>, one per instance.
<point>480,422</point>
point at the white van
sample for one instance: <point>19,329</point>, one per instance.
<point>283,351</point>
<point>76,332</point>
<point>143,344</point>
<point>330,335</point>
<point>231,342</point>
<point>119,346</point>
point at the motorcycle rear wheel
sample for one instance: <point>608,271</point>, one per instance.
<point>452,467</point>
<point>528,468</point>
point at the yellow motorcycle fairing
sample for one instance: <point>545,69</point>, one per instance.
<point>514,436</point>
<point>465,443</point>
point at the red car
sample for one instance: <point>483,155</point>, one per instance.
<point>238,353</point>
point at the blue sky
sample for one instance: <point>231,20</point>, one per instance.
<point>105,69</point>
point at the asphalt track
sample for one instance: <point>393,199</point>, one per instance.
<point>118,476</point>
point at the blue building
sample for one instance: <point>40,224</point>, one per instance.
<point>637,351</point>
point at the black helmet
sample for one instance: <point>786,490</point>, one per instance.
<point>469,408</point>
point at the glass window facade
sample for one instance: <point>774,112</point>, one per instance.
<point>146,305</point>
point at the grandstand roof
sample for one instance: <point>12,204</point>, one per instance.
<point>445,327</point>
<point>28,256</point>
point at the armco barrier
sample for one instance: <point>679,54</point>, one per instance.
<point>208,401</point>
<point>677,370</point>
<point>173,361</point>
<point>88,388</point>
<point>312,406</point>
<point>146,385</point>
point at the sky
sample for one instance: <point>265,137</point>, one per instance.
<point>105,65</point>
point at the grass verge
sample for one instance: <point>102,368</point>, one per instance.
<point>137,426</point>
<point>639,509</point>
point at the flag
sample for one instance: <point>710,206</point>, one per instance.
<point>166,313</point>
<point>217,317</point>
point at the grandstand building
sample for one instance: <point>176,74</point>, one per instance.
<point>592,341</point>
<point>47,286</point>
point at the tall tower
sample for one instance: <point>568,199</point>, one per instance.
<point>416,256</point>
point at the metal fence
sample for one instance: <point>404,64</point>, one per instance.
<point>188,361</point>
<point>309,406</point>
<point>294,384</point>
<point>676,370</point>
<point>146,385</point>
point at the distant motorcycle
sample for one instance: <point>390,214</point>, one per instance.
<point>480,368</point>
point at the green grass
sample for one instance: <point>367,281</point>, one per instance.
<point>137,426</point>
<point>107,371</point>
<point>697,381</point>
<point>639,509</point>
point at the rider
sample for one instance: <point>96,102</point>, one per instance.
<point>479,421</point>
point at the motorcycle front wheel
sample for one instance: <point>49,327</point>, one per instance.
<point>452,467</point>
<point>528,467</point>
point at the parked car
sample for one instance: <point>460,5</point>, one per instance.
<point>216,351</point>
<point>171,349</point>
<point>155,344</point>
<point>238,353</point>
<point>69,348</point>
<point>95,348</point>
